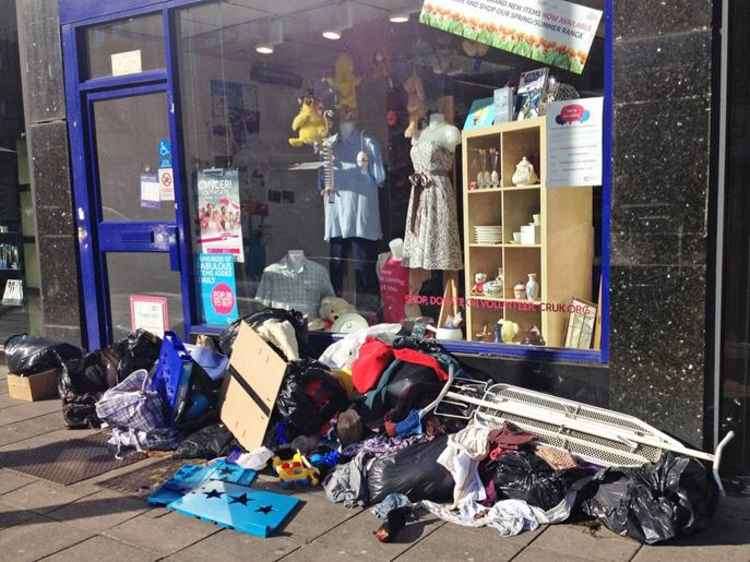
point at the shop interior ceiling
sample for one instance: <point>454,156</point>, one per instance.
<point>231,30</point>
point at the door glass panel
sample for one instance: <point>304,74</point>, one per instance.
<point>128,135</point>
<point>125,46</point>
<point>142,274</point>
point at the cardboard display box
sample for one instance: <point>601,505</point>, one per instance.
<point>36,387</point>
<point>249,393</point>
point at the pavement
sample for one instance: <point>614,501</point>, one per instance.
<point>41,520</point>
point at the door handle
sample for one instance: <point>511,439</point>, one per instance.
<point>174,250</point>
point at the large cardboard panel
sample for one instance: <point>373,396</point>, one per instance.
<point>249,394</point>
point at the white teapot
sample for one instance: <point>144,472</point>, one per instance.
<point>525,174</point>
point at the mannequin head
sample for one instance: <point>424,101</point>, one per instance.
<point>296,257</point>
<point>346,128</point>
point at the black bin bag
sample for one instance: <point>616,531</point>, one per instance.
<point>524,476</point>
<point>29,355</point>
<point>675,497</point>
<point>296,319</point>
<point>414,472</point>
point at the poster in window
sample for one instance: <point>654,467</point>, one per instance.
<point>218,288</point>
<point>149,313</point>
<point>219,215</point>
<point>553,32</point>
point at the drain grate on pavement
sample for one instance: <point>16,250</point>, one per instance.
<point>68,462</point>
<point>142,481</point>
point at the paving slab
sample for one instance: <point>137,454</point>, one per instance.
<point>102,549</point>
<point>42,496</point>
<point>353,540</point>
<point>316,516</point>
<point>26,410</point>
<point>453,542</point>
<point>535,554</point>
<point>100,511</point>
<point>38,537</point>
<point>230,546</point>
<point>584,542</point>
<point>163,531</point>
<point>11,515</point>
<point>33,427</point>
<point>11,480</point>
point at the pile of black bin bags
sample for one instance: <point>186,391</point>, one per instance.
<point>371,446</point>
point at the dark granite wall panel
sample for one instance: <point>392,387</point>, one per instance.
<point>41,60</point>
<point>660,212</point>
<point>44,107</point>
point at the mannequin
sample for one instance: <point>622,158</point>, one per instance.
<point>352,219</point>
<point>296,258</point>
<point>432,239</point>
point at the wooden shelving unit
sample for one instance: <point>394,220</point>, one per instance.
<point>562,260</point>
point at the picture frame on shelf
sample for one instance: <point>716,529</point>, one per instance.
<point>532,88</point>
<point>581,325</point>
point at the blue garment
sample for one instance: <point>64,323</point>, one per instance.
<point>355,211</point>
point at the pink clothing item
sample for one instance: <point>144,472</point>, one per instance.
<point>394,288</point>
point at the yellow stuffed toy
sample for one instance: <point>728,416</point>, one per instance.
<point>310,124</point>
<point>345,83</point>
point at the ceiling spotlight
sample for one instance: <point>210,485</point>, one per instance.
<point>399,17</point>
<point>275,36</point>
<point>331,34</point>
<point>345,12</point>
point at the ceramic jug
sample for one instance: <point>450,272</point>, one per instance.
<point>524,174</point>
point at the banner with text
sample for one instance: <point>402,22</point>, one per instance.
<point>553,32</point>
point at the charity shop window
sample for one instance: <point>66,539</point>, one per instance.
<point>398,161</point>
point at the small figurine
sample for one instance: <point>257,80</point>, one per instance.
<point>479,280</point>
<point>485,335</point>
<point>345,83</point>
<point>519,291</point>
<point>533,337</point>
<point>310,124</point>
<point>524,174</point>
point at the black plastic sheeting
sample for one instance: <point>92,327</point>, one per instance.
<point>29,355</point>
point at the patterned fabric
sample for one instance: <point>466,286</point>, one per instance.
<point>432,238</point>
<point>556,458</point>
<point>298,288</point>
<point>355,211</point>
<point>132,405</point>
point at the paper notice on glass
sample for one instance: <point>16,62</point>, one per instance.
<point>149,313</point>
<point>150,197</point>
<point>575,142</point>
<point>166,184</point>
<point>128,62</point>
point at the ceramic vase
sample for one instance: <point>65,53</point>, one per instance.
<point>532,288</point>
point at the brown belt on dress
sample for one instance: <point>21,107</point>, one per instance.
<point>419,182</point>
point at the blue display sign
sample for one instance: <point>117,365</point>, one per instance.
<point>165,153</point>
<point>218,288</point>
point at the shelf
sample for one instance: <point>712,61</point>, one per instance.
<point>532,246</point>
<point>503,299</point>
<point>521,187</point>
<point>487,190</point>
<point>496,246</point>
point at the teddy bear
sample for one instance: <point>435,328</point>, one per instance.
<point>310,124</point>
<point>479,280</point>
<point>415,104</point>
<point>331,309</point>
<point>345,83</point>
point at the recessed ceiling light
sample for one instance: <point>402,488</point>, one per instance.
<point>399,17</point>
<point>264,48</point>
<point>331,34</point>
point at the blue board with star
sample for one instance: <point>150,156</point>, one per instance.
<point>237,507</point>
<point>191,476</point>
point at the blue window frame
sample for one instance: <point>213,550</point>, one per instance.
<point>77,14</point>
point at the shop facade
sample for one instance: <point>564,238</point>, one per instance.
<point>168,182</point>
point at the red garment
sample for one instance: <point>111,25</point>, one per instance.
<point>508,440</point>
<point>408,355</point>
<point>394,288</point>
<point>374,357</point>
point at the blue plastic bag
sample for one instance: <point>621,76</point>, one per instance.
<point>172,375</point>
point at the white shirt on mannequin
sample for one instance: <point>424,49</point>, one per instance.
<point>441,132</point>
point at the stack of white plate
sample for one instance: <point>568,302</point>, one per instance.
<point>488,234</point>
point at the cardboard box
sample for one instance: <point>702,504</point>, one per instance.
<point>254,378</point>
<point>41,386</point>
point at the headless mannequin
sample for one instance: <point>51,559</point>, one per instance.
<point>448,136</point>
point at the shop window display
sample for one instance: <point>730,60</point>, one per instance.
<point>379,169</point>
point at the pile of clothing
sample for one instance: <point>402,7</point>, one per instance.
<point>361,421</point>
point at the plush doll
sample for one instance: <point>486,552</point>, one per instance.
<point>415,105</point>
<point>332,308</point>
<point>310,124</point>
<point>479,280</point>
<point>345,83</point>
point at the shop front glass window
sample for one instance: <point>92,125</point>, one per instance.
<point>367,162</point>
